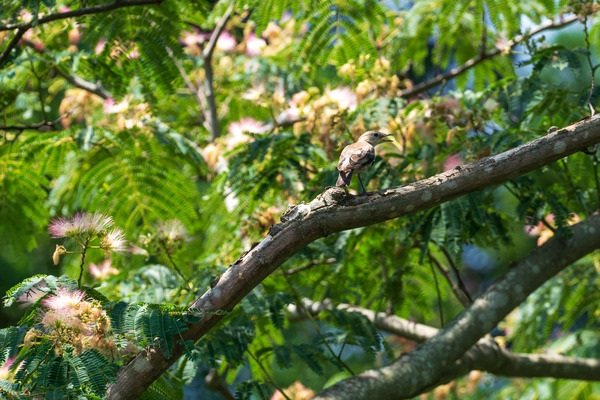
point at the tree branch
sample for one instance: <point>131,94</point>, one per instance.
<point>73,79</point>
<point>485,355</point>
<point>212,42</point>
<point>334,210</point>
<point>310,264</point>
<point>454,72</point>
<point>198,94</point>
<point>462,296</point>
<point>209,91</point>
<point>436,358</point>
<point>44,126</point>
<point>11,45</point>
<point>283,120</point>
<point>25,26</point>
<point>79,82</point>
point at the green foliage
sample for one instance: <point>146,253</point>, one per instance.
<point>339,31</point>
<point>146,325</point>
<point>22,207</point>
<point>293,83</point>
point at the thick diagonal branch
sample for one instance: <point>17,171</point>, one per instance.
<point>100,8</point>
<point>335,211</point>
<point>482,56</point>
<point>485,355</point>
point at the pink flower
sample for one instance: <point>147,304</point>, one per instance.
<point>60,227</point>
<point>65,316</point>
<point>100,46</point>
<point>133,249</point>
<point>246,124</point>
<point>82,223</point>
<point>226,42</point>
<point>97,222</point>
<point>344,97</point>
<point>238,129</point>
<point>300,98</point>
<point>104,270</point>
<point>111,107</point>
<point>254,45</point>
<point>194,38</point>
<point>172,230</point>
<point>63,299</point>
<point>452,161</point>
<point>133,53</point>
<point>114,241</point>
<point>543,232</point>
<point>26,15</point>
<point>5,370</point>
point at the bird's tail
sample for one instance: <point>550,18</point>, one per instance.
<point>344,179</point>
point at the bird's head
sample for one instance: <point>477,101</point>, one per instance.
<point>374,138</point>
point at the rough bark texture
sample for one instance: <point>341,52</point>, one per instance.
<point>334,211</point>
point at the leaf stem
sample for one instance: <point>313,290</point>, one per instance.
<point>84,247</point>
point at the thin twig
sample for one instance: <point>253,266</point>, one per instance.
<point>73,79</point>
<point>300,304</point>
<point>592,70</point>
<point>461,284</point>
<point>214,382</point>
<point>170,259</point>
<point>439,295</point>
<point>212,42</point>
<point>40,90</point>
<point>83,251</point>
<point>483,33</point>
<point>454,72</point>
<point>79,82</point>
<point>267,375</point>
<point>310,264</point>
<point>462,297</point>
<point>209,91</point>
<point>78,13</point>
<point>196,92</point>
<point>25,26</point>
<point>40,126</point>
<point>384,274</point>
<point>596,179</point>
<point>574,189</point>
<point>11,45</point>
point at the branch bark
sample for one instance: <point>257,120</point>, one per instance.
<point>43,126</point>
<point>334,211</point>
<point>454,72</point>
<point>485,355</point>
<point>79,82</point>
<point>436,359</point>
<point>75,80</point>
<point>209,91</point>
<point>25,26</point>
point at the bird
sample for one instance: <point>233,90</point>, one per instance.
<point>358,157</point>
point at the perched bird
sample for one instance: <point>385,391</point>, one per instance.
<point>359,156</point>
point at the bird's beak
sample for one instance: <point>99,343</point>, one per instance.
<point>387,140</point>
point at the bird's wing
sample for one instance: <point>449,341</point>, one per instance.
<point>356,155</point>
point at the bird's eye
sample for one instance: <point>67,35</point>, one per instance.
<point>376,134</point>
